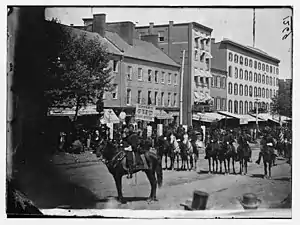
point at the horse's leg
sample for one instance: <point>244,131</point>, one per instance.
<point>195,161</point>
<point>270,168</point>
<point>191,161</point>
<point>177,156</point>
<point>153,182</point>
<point>241,165</point>
<point>166,161</point>
<point>221,161</point>
<point>265,167</point>
<point>228,165</point>
<point>209,165</point>
<point>118,181</point>
<point>246,166</point>
<point>233,164</point>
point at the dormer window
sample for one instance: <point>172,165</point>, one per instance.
<point>161,37</point>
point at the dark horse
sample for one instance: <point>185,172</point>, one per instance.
<point>244,154</point>
<point>211,153</point>
<point>226,153</point>
<point>268,159</point>
<point>165,150</point>
<point>115,160</point>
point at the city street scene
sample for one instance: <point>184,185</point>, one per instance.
<point>185,112</point>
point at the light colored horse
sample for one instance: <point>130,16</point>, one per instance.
<point>176,150</point>
<point>187,152</point>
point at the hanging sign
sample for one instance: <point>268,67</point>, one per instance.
<point>145,113</point>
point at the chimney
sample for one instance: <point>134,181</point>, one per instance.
<point>152,38</point>
<point>126,30</point>
<point>213,40</point>
<point>151,28</point>
<point>99,24</point>
<point>87,21</point>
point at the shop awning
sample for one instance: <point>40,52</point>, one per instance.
<point>199,73</point>
<point>199,97</point>
<point>195,117</point>
<point>208,55</point>
<point>88,110</point>
<point>175,113</point>
<point>109,117</point>
<point>210,117</point>
<point>162,115</point>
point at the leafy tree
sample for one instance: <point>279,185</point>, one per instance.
<point>282,105</point>
<point>78,73</point>
<point>260,110</point>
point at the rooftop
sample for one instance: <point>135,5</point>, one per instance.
<point>250,49</point>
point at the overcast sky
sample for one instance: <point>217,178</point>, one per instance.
<point>235,24</point>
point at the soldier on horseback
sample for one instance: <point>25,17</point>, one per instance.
<point>267,141</point>
<point>131,142</point>
<point>229,139</point>
<point>243,140</point>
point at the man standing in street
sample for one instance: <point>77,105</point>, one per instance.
<point>132,141</point>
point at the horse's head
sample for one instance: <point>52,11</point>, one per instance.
<point>106,149</point>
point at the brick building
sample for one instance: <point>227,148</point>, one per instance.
<point>252,75</point>
<point>218,90</point>
<point>194,38</point>
<point>142,73</point>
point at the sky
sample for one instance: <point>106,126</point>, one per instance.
<point>232,23</point>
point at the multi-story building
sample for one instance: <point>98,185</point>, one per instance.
<point>194,38</point>
<point>142,73</point>
<point>252,75</point>
<point>218,90</point>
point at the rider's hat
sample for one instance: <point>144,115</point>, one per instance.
<point>199,201</point>
<point>250,201</point>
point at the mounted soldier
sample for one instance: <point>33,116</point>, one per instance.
<point>266,141</point>
<point>229,139</point>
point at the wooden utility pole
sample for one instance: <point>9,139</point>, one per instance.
<point>181,87</point>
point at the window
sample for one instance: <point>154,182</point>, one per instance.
<point>169,78</point>
<point>267,106</point>
<point>259,66</point>
<point>270,80</point>
<point>207,82</point>
<point>246,90</point>
<point>246,107</point>
<point>250,76</point>
<point>156,77</point>
<point>271,67</point>
<point>267,93</point>
<point>267,68</point>
<point>274,93</point>
<point>236,107</point>
<point>155,98</point>
<point>250,63</point>
<point>149,75</point>
<point>218,82</point>
<point>128,97</point>
<point>250,91</point>
<point>255,77</point>
<point>235,89</point>
<point>259,105</point>
<point>263,92</point>
<point>207,63</point>
<point>129,72</point>
<point>236,58</point>
<point>246,75</point>
<point>250,106</point>
<point>259,78</point>
<point>274,83</point>
<point>263,79</point>
<point>212,81</point>
<point>162,99</point>
<point>169,99</point>
<point>267,79</point>
<point>114,93</point>
<point>223,82</point>
<point>230,71</point>
<point>241,90</point>
<point>230,88</point>
<point>140,74</point>
<point>149,98</point>
<point>223,105</point>
<point>175,99</point>
<point>175,78</point>
<point>241,107</point>
<point>163,77</point>
<point>255,91</point>
<point>274,70</point>
<point>263,67</point>
<point>236,72</point>
<point>241,74</point>
<point>230,106</point>
<point>246,61</point>
<point>197,42</point>
<point>139,97</point>
<point>259,92</point>
<point>196,55</point>
<point>277,71</point>
<point>218,104</point>
<point>255,64</point>
<point>161,37</point>
<point>115,65</point>
<point>230,57</point>
<point>241,60</point>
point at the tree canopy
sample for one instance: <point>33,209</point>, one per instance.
<point>78,72</point>
<point>282,104</point>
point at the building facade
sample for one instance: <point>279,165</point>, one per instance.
<point>252,75</point>
<point>142,73</point>
<point>194,38</point>
<point>218,89</point>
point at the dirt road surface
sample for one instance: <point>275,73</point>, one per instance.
<point>81,181</point>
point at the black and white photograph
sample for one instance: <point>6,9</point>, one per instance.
<point>149,112</point>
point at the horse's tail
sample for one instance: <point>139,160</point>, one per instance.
<point>159,173</point>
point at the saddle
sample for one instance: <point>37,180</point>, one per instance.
<point>136,160</point>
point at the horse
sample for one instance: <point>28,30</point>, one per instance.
<point>187,154</point>
<point>244,153</point>
<point>164,150</point>
<point>115,160</point>
<point>211,152</point>
<point>176,151</point>
<point>224,155</point>
<point>268,159</point>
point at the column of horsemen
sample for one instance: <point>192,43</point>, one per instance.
<point>218,145</point>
